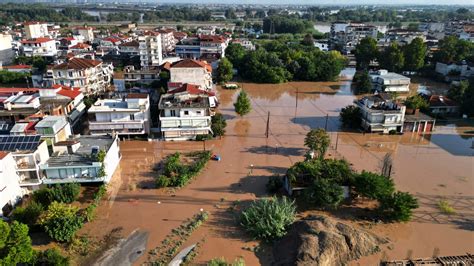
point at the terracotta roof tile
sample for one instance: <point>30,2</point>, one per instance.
<point>78,63</point>
<point>191,63</point>
<point>38,40</point>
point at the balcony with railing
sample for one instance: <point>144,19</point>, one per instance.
<point>120,127</point>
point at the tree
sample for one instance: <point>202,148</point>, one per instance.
<point>324,193</point>
<point>362,82</point>
<point>15,244</point>
<point>224,71</point>
<point>365,52</point>
<point>317,140</point>
<point>415,53</point>
<point>373,186</point>
<point>235,53</point>
<point>269,218</point>
<point>61,221</point>
<point>51,256</point>
<point>308,40</point>
<point>350,116</point>
<point>28,215</point>
<point>218,125</point>
<point>242,105</point>
<point>417,102</point>
<point>392,58</point>
<point>398,206</point>
<point>452,49</point>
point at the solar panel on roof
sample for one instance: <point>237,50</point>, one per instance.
<point>13,143</point>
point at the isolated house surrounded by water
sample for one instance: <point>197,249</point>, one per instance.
<point>380,114</point>
<point>384,81</point>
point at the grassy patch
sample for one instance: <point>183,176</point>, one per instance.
<point>445,207</point>
<point>179,168</point>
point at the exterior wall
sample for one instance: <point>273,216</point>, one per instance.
<point>186,123</point>
<point>119,84</point>
<point>382,121</point>
<point>36,31</point>
<point>112,160</point>
<point>88,34</point>
<point>198,76</point>
<point>6,52</point>
<point>40,49</point>
<point>150,50</point>
<point>90,80</point>
<point>10,190</point>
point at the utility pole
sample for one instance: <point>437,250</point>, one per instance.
<point>296,97</point>
<point>268,125</point>
<point>326,125</point>
<point>337,139</point>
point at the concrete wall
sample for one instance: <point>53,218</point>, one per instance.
<point>10,191</point>
<point>112,160</point>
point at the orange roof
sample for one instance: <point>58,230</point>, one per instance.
<point>18,67</point>
<point>15,90</point>
<point>38,40</point>
<point>113,39</point>
<point>80,46</point>
<point>131,44</point>
<point>78,63</point>
<point>71,93</point>
<point>212,38</point>
<point>191,63</point>
<point>3,154</point>
<point>191,89</point>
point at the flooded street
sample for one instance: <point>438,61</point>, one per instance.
<point>432,167</point>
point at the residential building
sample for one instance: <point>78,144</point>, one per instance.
<point>76,160</point>
<point>54,129</point>
<point>28,152</point>
<point>35,30</point>
<point>210,47</point>
<point>419,123</point>
<point>322,45</point>
<point>246,43</point>
<point>130,48</point>
<point>345,36</point>
<point>6,50</point>
<point>63,101</point>
<point>168,42</point>
<point>66,42</point>
<point>129,115</point>
<point>81,49</point>
<point>87,33</point>
<point>384,81</point>
<point>109,44</point>
<point>193,72</point>
<point>186,113</point>
<point>455,71</point>
<point>18,103</point>
<point>179,35</point>
<point>42,46</point>
<point>380,114</point>
<point>442,105</point>
<point>90,76</point>
<point>10,190</point>
<point>18,68</point>
<point>403,36</point>
<point>150,49</point>
<point>132,76</point>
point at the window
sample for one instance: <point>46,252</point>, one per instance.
<point>132,116</point>
<point>186,112</point>
<point>70,74</point>
<point>172,113</point>
<point>198,112</point>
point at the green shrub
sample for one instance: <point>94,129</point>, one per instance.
<point>42,196</point>
<point>177,174</point>
<point>15,244</point>
<point>223,262</point>
<point>274,184</point>
<point>324,193</point>
<point>28,215</point>
<point>66,193</point>
<point>218,125</point>
<point>373,186</point>
<point>61,221</point>
<point>203,137</point>
<point>398,206</point>
<point>51,256</point>
<point>89,212</point>
<point>100,194</point>
<point>267,219</point>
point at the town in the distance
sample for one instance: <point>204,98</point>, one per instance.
<point>236,134</point>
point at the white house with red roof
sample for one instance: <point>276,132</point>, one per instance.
<point>186,112</point>
<point>42,46</point>
<point>18,68</point>
<point>109,43</point>
<point>209,47</point>
<point>90,76</point>
<point>193,72</point>
<point>87,33</point>
<point>62,100</point>
<point>81,49</point>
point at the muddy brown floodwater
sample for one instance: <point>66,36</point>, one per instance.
<point>432,167</point>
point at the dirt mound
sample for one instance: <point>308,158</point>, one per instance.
<point>319,240</point>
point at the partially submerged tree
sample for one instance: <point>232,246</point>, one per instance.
<point>362,82</point>
<point>365,52</point>
<point>317,140</point>
<point>398,206</point>
<point>373,186</point>
<point>224,71</point>
<point>324,193</point>
<point>242,105</point>
<point>350,116</point>
<point>218,125</point>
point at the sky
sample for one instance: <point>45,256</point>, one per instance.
<point>325,2</point>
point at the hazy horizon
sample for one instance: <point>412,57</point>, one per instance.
<point>324,2</point>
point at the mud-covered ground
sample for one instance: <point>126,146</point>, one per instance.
<point>432,167</point>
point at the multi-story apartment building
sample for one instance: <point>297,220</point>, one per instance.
<point>168,42</point>
<point>35,30</point>
<point>380,114</point>
<point>130,77</point>
<point>87,33</point>
<point>403,36</point>
<point>129,115</point>
<point>63,101</point>
<point>42,46</point>
<point>186,113</point>
<point>28,152</point>
<point>77,160</point>
<point>346,36</point>
<point>6,49</point>
<point>129,48</point>
<point>191,71</point>
<point>9,184</point>
<point>90,76</point>
<point>209,47</point>
<point>384,81</point>
<point>150,49</point>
